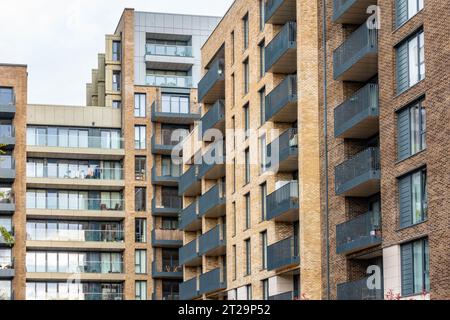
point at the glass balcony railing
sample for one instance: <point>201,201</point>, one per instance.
<point>161,80</point>
<point>7,97</point>
<point>53,172</point>
<point>175,110</point>
<point>75,235</point>
<point>7,135</point>
<point>89,296</point>
<point>168,50</point>
<point>60,141</point>
<point>102,267</point>
<point>79,204</point>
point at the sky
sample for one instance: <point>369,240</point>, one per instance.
<point>59,40</point>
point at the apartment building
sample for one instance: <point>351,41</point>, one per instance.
<point>90,194</point>
<point>252,223</point>
<point>385,185</point>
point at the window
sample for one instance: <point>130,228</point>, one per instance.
<point>247,211</point>
<point>140,199</point>
<point>247,165</point>
<point>247,120</point>
<point>411,126</point>
<point>413,199</point>
<point>410,62</point>
<point>170,198</point>
<point>140,167</point>
<point>140,137</point>
<point>233,88</point>
<point>5,290</point>
<point>169,223</point>
<point>6,96</point>
<point>234,175</point>
<point>232,48</point>
<point>116,51</point>
<point>234,263</point>
<point>117,104</point>
<point>116,81</point>
<point>139,105</point>
<point>5,259</point>
<point>246,76</point>
<point>262,15</point>
<point>245,26</point>
<point>234,218</point>
<point>174,104</point>
<point>170,289</point>
<point>262,106</point>
<point>140,261</point>
<point>415,265</point>
<point>248,289</point>
<point>248,257</point>
<point>141,290</point>
<point>263,188</point>
<point>406,9</point>
<point>264,250</point>
<point>265,289</point>
<point>140,227</point>
<point>263,153</point>
<point>262,57</point>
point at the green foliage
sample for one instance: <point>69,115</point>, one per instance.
<point>8,237</point>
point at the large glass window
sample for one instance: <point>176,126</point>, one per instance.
<point>174,104</point>
<point>116,50</point>
<point>140,137</point>
<point>141,230</point>
<point>419,196</point>
<point>416,59</point>
<point>140,261</point>
<point>6,96</point>
<point>140,105</point>
<point>5,290</point>
<point>116,81</point>
<point>141,290</point>
<point>415,263</point>
<point>140,199</point>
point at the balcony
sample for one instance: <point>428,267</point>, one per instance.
<point>162,238</point>
<point>282,153</point>
<point>213,119</point>
<point>189,289</point>
<point>161,270</point>
<point>358,234</point>
<point>351,11</point>
<point>213,281</point>
<point>161,80</point>
<point>212,86</point>
<point>168,57</point>
<point>163,145</point>
<point>357,117</point>
<point>213,242</point>
<point>169,206</point>
<point>283,254</point>
<point>7,103</point>
<point>189,218</point>
<point>7,136</point>
<point>69,235</point>
<point>190,184</point>
<point>280,11</point>
<point>281,102</point>
<point>6,267</point>
<point>358,290</point>
<point>290,295</point>
<point>359,176</point>
<point>282,204</point>
<point>213,164</point>
<point>7,204</point>
<point>7,169</point>
<point>170,179</point>
<point>175,112</point>
<point>189,254</point>
<point>212,203</point>
<point>357,58</point>
<point>281,52</point>
<point>155,49</point>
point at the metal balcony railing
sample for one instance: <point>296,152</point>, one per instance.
<point>358,290</point>
<point>189,252</point>
<point>213,198</point>
<point>283,254</point>
<point>283,148</point>
<point>189,179</point>
<point>283,42</point>
<point>282,200</point>
<point>285,94</point>
<point>213,280</point>
<point>160,80</point>
<point>189,216</point>
<point>212,240</point>
<point>215,74</point>
<point>214,116</point>
<point>189,289</point>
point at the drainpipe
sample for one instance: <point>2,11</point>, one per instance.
<point>325,136</point>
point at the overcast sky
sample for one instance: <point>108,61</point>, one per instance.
<point>59,39</point>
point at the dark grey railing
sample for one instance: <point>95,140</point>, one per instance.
<point>188,178</point>
<point>189,215</point>
<point>214,238</point>
<point>215,73</point>
<point>290,295</point>
<point>359,166</point>
<point>283,253</point>
<point>360,43</point>
<point>212,198</point>
<point>282,200</point>
<point>358,290</point>
<point>189,289</point>
<point>213,280</point>
<point>284,93</point>
<point>170,270</point>
<point>287,144</point>
<point>363,104</point>
<point>285,39</point>
<point>359,233</point>
<point>189,252</point>
<point>213,116</point>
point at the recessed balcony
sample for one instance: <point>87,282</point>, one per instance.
<point>7,103</point>
<point>166,270</point>
<point>6,266</point>
<point>167,176</point>
<point>281,102</point>
<point>190,289</point>
<point>280,11</point>
<point>212,86</point>
<point>358,116</point>
<point>189,218</point>
<point>168,57</point>
<point>165,238</point>
<point>351,11</point>
<point>282,153</point>
<point>357,58</point>
<point>359,233</point>
<point>213,162</point>
<point>360,175</point>
<point>283,254</point>
<point>213,281</point>
<point>213,119</point>
<point>7,169</point>
<point>281,53</point>
<point>190,183</point>
<point>175,112</point>
<point>163,145</point>
<point>167,206</point>
<point>282,204</point>
<point>162,80</point>
<point>358,290</point>
<point>189,254</point>
<point>7,136</point>
<point>212,203</point>
<point>289,295</point>
<point>213,242</point>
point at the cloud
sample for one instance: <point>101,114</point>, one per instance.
<point>60,40</point>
